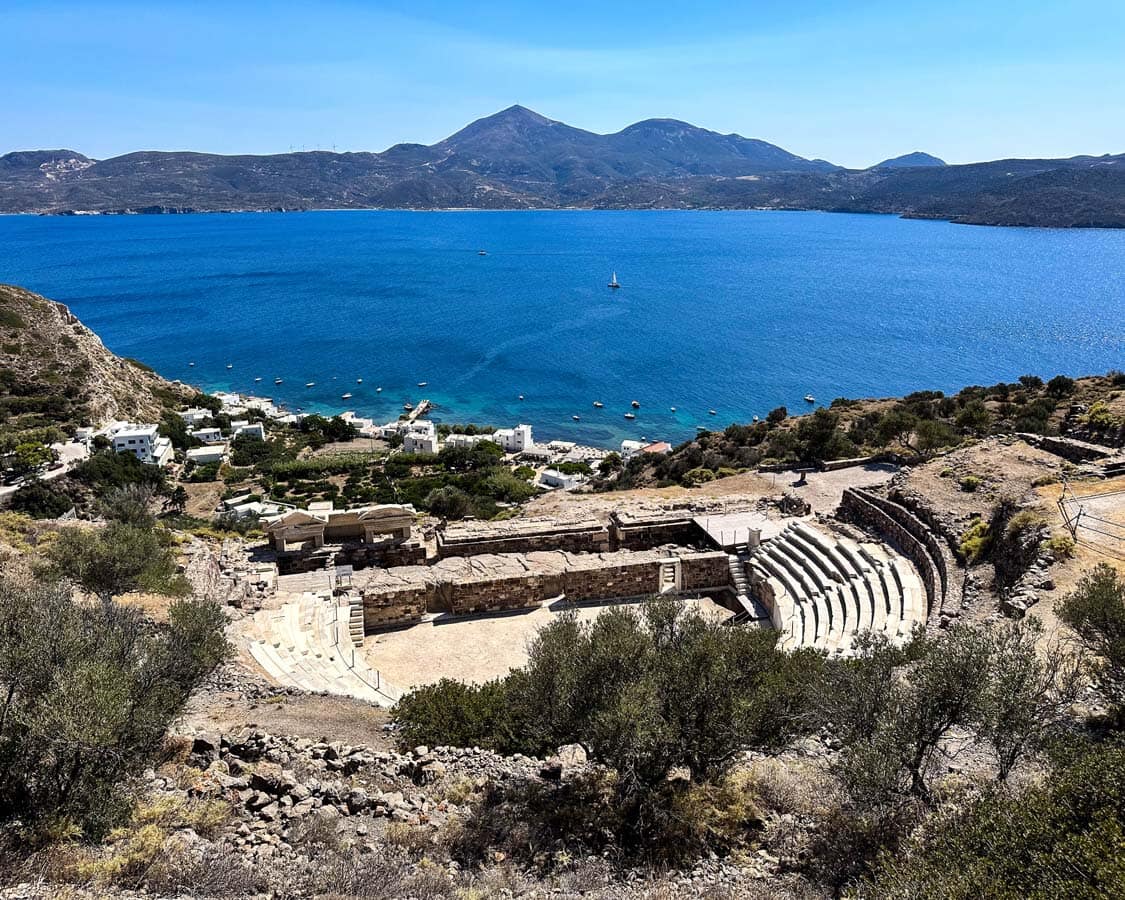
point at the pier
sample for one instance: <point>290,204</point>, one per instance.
<point>421,409</point>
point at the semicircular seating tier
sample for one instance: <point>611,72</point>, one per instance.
<point>823,590</point>
<point>306,644</point>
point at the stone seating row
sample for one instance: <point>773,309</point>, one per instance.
<point>299,645</point>
<point>824,591</point>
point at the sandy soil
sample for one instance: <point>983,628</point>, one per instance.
<point>476,648</point>
<point>822,491</point>
<point>307,716</point>
<point>1005,467</point>
<point>1098,541</point>
<point>203,498</point>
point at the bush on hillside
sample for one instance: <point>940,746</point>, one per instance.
<point>41,500</point>
<point>1096,610</point>
<point>89,691</point>
<point>1062,838</point>
<point>116,559</point>
<point>107,470</point>
<point>648,692</point>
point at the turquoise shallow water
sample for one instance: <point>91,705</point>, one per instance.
<point>733,311</point>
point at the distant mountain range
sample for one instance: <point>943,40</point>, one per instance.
<point>518,159</point>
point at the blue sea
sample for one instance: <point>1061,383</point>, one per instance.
<point>736,312</point>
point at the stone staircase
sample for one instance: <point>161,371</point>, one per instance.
<point>355,619</point>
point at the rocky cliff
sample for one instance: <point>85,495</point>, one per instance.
<point>55,370</point>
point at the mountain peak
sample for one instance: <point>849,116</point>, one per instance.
<point>910,160</point>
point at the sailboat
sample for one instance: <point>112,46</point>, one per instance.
<point>613,283</point>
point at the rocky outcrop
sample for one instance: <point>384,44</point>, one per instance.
<point>62,370</point>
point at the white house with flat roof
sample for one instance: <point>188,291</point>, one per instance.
<point>143,441</point>
<point>208,435</point>
<point>629,449</point>
<point>514,440</point>
<point>553,478</point>
<point>203,456</point>
<point>248,429</point>
<point>420,437</point>
<point>466,440</point>
<point>195,417</point>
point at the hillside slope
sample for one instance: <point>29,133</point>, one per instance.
<point>519,159</point>
<point>55,370</point>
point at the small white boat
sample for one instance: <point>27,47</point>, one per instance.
<point>672,408</point>
<point>613,283</point>
<point>259,378</point>
<point>345,396</point>
<point>310,384</point>
<point>629,416</point>
<point>378,390</point>
<point>635,405</point>
<point>277,381</point>
<point>191,364</point>
<point>809,398</point>
<point>755,419</point>
<point>408,406</point>
<point>482,253</point>
<point>576,419</point>
<point>229,366</point>
<point>711,412</point>
<point>598,404</point>
<point>422,383</point>
<point>359,381</point>
<point>521,396</point>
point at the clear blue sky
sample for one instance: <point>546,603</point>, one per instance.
<point>851,82</point>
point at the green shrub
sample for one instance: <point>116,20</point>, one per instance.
<point>1061,546</point>
<point>969,483</point>
<point>646,691</point>
<point>976,541</point>
<point>698,476</point>
<point>115,560</point>
<point>1059,839</point>
<point>41,500</point>
<point>89,691</point>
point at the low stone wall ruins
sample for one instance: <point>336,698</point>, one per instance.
<point>906,532</point>
<point>359,556</point>
<point>499,583</point>
<point>632,533</point>
<point>518,538</point>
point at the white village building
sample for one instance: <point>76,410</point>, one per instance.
<point>143,441</point>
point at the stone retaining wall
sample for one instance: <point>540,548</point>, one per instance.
<point>584,540</point>
<point>584,579</point>
<point>359,556</point>
<point>394,608</point>
<point>906,532</point>
<point>647,535</point>
<point>704,571</point>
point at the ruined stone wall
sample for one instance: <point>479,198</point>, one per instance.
<point>386,556</point>
<point>358,556</point>
<point>649,535</point>
<point>589,540</point>
<point>496,594</point>
<point>704,571</point>
<point>906,532</point>
<point>595,578</point>
<point>391,609</point>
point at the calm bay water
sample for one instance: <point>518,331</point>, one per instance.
<point>733,311</point>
